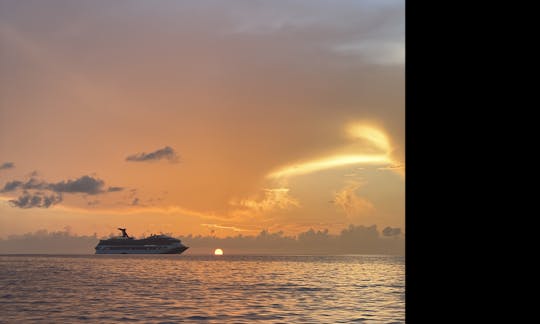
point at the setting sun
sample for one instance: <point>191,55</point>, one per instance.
<point>218,252</point>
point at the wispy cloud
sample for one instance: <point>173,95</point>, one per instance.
<point>273,198</point>
<point>397,168</point>
<point>166,153</point>
<point>232,228</point>
<point>350,202</point>
<point>372,148</point>
<point>377,52</point>
<point>328,163</point>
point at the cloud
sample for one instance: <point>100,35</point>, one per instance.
<point>12,185</point>
<point>392,167</point>
<point>32,184</point>
<point>397,168</point>
<point>233,228</point>
<point>166,153</point>
<point>389,231</point>
<point>370,137</point>
<point>372,146</point>
<point>7,165</point>
<point>367,31</point>
<point>28,200</point>
<point>274,198</point>
<point>350,202</point>
<point>328,163</point>
<point>93,202</point>
<point>351,240</point>
<point>85,184</point>
<point>377,52</point>
<point>43,241</point>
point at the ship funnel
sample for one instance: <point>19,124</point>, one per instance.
<point>124,233</point>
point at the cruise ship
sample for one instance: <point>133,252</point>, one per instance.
<point>154,244</point>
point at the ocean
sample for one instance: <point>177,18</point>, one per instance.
<point>202,289</point>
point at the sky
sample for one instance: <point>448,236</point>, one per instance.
<point>212,118</point>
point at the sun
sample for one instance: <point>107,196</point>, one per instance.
<point>218,252</point>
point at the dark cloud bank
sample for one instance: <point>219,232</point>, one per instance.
<point>352,240</point>
<point>42,241</point>
<point>36,200</point>
<point>166,153</point>
<point>83,185</point>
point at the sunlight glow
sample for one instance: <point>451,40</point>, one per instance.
<point>373,142</point>
<point>373,135</point>
<point>329,162</point>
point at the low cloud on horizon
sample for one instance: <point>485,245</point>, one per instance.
<point>352,240</point>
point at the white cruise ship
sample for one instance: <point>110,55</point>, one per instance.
<point>154,244</point>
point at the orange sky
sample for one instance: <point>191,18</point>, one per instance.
<point>282,115</point>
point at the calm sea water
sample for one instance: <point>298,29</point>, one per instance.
<point>184,288</point>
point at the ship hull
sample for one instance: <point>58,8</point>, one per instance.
<point>141,250</point>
